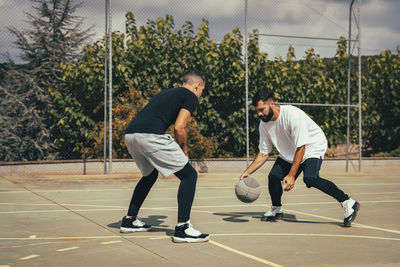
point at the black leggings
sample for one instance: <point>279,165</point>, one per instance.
<point>186,191</point>
<point>311,178</point>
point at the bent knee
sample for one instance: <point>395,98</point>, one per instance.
<point>309,181</point>
<point>188,172</point>
<point>272,177</point>
<point>152,176</point>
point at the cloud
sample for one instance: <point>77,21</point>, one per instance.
<point>379,20</point>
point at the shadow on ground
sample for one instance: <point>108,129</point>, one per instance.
<point>240,217</point>
<point>156,222</point>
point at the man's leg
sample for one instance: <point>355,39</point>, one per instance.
<point>184,231</point>
<point>186,191</point>
<point>132,223</point>
<point>141,191</point>
<point>280,169</point>
<point>312,179</point>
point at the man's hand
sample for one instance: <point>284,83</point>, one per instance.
<point>244,175</point>
<point>260,159</point>
<point>289,181</point>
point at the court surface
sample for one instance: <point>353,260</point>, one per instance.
<point>74,221</point>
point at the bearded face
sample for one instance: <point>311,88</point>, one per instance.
<point>267,118</point>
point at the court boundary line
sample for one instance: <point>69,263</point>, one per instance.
<point>353,224</point>
<point>172,188</point>
<point>212,235</point>
<point>115,208</point>
<point>255,258</point>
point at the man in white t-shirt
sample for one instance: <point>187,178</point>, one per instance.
<point>301,145</point>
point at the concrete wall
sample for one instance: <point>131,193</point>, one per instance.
<point>369,165</point>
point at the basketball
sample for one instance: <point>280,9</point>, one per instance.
<point>247,190</point>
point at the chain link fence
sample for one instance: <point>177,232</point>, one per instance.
<point>155,41</point>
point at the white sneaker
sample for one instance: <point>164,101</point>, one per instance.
<point>185,233</point>
<point>275,213</point>
<point>351,208</point>
<point>128,225</point>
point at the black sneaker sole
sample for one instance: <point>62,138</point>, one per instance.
<point>348,224</point>
<point>176,239</point>
<point>278,216</point>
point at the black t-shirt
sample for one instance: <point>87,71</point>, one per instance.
<point>162,111</point>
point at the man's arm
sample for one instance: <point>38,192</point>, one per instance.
<point>257,163</point>
<point>290,178</point>
<point>180,131</point>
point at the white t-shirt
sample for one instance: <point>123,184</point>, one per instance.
<point>292,129</point>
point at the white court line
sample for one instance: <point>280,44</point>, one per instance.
<point>169,188</point>
<point>310,235</point>
<point>212,235</point>
<point>4,265</point>
<point>160,237</point>
<point>66,249</point>
<point>194,207</point>
<point>164,198</point>
<point>242,205</point>
<point>28,257</point>
<point>353,224</point>
<point>110,242</point>
<point>245,254</point>
<point>124,199</point>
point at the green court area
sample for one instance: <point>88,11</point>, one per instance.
<point>65,220</point>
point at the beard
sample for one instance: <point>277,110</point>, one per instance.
<point>268,117</point>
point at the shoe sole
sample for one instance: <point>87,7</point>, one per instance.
<point>189,240</point>
<point>272,218</point>
<point>348,224</point>
<point>133,230</point>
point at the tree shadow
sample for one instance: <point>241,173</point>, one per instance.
<point>156,222</point>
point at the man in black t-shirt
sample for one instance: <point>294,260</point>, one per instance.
<point>154,152</point>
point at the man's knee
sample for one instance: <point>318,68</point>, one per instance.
<point>188,172</point>
<point>152,176</point>
<point>309,181</point>
<point>272,177</point>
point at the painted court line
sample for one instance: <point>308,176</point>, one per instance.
<point>171,188</point>
<point>353,224</point>
<point>66,249</point>
<point>110,242</point>
<point>245,254</point>
<point>194,207</point>
<point>29,257</point>
<point>212,235</point>
<point>212,197</point>
<point>310,235</point>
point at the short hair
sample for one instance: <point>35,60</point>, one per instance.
<point>263,95</point>
<point>192,76</point>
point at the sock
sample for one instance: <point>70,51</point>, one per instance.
<point>179,224</point>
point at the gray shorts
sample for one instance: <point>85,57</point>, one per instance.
<point>155,151</point>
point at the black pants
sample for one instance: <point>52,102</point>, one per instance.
<point>186,191</point>
<point>311,178</point>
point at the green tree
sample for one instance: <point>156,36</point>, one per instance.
<point>54,37</point>
<point>23,125</point>
<point>382,127</point>
<point>155,56</point>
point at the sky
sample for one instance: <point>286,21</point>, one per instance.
<point>380,23</point>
